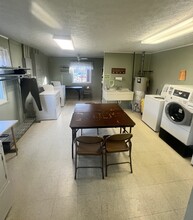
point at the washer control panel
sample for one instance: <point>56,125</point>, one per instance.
<point>181,94</point>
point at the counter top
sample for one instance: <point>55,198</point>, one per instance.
<point>113,94</point>
<point>7,124</point>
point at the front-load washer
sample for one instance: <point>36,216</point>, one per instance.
<point>177,119</point>
<point>178,114</point>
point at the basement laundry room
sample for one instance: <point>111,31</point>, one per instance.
<point>102,129</point>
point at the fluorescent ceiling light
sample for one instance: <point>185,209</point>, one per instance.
<point>40,13</point>
<point>64,42</point>
<point>180,29</point>
<point>4,37</point>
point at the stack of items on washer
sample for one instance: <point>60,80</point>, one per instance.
<point>175,124</point>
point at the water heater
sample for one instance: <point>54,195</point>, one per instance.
<point>140,88</point>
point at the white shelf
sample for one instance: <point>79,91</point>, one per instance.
<point>6,77</point>
<point>10,75</point>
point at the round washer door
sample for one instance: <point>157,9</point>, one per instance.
<point>178,114</point>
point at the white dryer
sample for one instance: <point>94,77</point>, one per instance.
<point>177,123</point>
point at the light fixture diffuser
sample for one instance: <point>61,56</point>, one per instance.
<point>180,29</point>
<point>64,42</point>
<point>4,37</point>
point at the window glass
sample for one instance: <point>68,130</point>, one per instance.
<point>4,58</point>
<point>81,72</point>
<point>3,96</point>
<point>5,61</point>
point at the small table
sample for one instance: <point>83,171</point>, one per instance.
<point>6,125</point>
<point>99,116</point>
<point>78,89</point>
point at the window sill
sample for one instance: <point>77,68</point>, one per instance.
<point>2,102</point>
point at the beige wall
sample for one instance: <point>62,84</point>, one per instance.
<point>160,68</point>
<point>132,64</point>
<point>166,66</point>
<point>16,53</point>
<point>58,73</point>
<point>13,108</point>
<point>40,68</point>
<point>116,60</point>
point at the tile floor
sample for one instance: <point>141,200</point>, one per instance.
<point>44,187</point>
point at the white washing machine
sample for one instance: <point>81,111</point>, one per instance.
<point>57,86</point>
<point>51,109</point>
<point>62,89</point>
<point>176,123</point>
<point>153,108</point>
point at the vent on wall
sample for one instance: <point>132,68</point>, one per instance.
<point>64,69</point>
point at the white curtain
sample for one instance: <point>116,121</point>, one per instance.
<point>80,65</point>
<point>2,91</point>
<point>5,60</point>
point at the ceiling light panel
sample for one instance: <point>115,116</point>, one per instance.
<point>64,42</point>
<point>180,29</point>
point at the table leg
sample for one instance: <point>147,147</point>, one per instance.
<point>79,94</point>
<point>124,130</point>
<point>14,141</point>
<point>74,131</point>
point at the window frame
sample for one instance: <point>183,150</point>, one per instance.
<point>81,68</point>
<point>5,62</point>
<point>3,93</point>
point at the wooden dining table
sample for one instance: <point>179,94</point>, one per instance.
<point>78,89</point>
<point>99,115</point>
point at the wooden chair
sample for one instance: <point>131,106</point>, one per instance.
<point>117,143</point>
<point>89,146</point>
<point>87,92</point>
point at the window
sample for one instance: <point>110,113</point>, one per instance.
<point>81,72</point>
<point>4,57</point>
<point>3,96</point>
<point>4,62</point>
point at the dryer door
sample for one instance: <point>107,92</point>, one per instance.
<point>178,114</point>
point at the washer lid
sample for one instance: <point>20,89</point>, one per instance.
<point>159,97</point>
